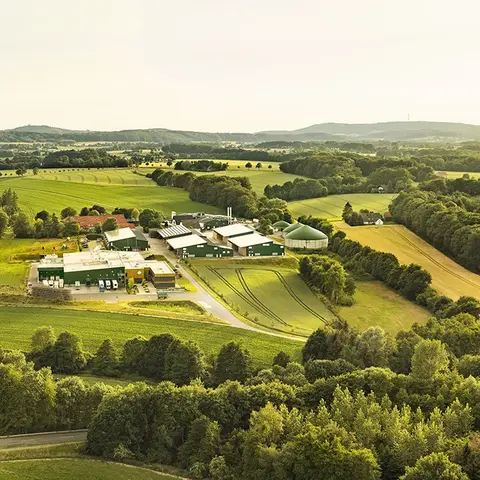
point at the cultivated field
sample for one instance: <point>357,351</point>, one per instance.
<point>378,305</point>
<point>272,297</point>
<point>14,253</point>
<point>18,324</point>
<point>74,468</point>
<point>331,207</point>
<point>37,194</point>
<point>448,277</point>
<point>108,176</point>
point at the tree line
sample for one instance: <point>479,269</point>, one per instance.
<point>201,165</point>
<point>445,224</point>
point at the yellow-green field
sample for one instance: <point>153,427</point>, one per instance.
<point>331,207</point>
<point>378,305</point>
<point>453,175</point>
<point>272,297</point>
<point>37,194</point>
<point>448,277</point>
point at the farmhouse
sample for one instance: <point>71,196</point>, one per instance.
<point>87,223</point>
<point>280,226</point>
<point>192,246</point>
<point>371,218</point>
<point>256,245</point>
<point>306,238</point>
<point>90,267</point>
<point>231,231</point>
<point>125,239</point>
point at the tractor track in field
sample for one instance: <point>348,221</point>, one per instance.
<point>436,262</point>
<point>109,179</point>
<point>245,286</point>
<point>292,293</point>
<point>246,299</point>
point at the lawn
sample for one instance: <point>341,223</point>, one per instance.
<point>270,296</point>
<point>378,305</point>
<point>448,278</point>
<point>17,325</point>
<point>331,207</point>
<point>73,468</point>
<point>454,175</point>
<point>14,252</point>
<point>37,194</point>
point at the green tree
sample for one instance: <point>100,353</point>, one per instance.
<point>71,229</point>
<point>282,359</point>
<point>183,362</point>
<point>248,165</point>
<point>430,357</point>
<point>258,165</point>
<point>35,170</point>
<point>153,356</point>
<point>133,354</point>
<point>22,226</point>
<point>105,361</point>
<point>134,214</point>
<point>110,224</point>
<point>69,356</point>
<point>347,211</point>
<point>233,363</point>
<point>68,212</point>
<point>3,222</point>
<point>42,338</point>
<point>435,466</point>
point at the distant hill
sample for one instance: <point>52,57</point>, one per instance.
<point>389,131</point>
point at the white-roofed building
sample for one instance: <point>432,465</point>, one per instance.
<point>231,231</point>
<point>256,245</point>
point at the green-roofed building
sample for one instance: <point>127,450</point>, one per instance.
<point>280,226</point>
<point>305,237</point>
<point>292,227</point>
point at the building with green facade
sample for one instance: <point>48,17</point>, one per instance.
<point>192,246</point>
<point>256,245</point>
<point>125,239</point>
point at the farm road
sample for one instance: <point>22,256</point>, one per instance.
<point>43,438</point>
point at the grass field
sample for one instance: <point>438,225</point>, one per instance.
<point>74,468</point>
<point>37,194</point>
<point>13,254</point>
<point>331,207</point>
<point>453,175</point>
<point>272,297</point>
<point>448,277</point>
<point>378,305</point>
<point>17,325</point>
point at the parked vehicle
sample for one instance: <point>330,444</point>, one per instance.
<point>108,284</point>
<point>77,285</point>
<point>101,285</point>
<point>50,283</point>
<point>55,284</point>
<point>60,283</point>
<point>162,295</point>
<point>114,284</point>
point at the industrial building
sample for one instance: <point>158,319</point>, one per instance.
<point>305,237</point>
<point>195,246</point>
<point>125,239</point>
<point>89,267</point>
<point>292,227</point>
<point>170,232</point>
<point>280,226</point>
<point>256,245</point>
<point>223,234</point>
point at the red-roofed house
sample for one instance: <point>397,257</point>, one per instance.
<point>88,222</point>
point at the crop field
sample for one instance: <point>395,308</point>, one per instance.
<point>14,252</point>
<point>378,305</point>
<point>108,176</point>
<point>71,468</point>
<point>37,194</point>
<point>448,277</point>
<point>272,297</point>
<point>454,175</point>
<point>331,207</point>
<point>17,325</point>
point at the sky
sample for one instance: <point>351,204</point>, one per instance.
<point>250,65</point>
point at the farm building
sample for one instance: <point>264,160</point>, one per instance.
<point>280,226</point>
<point>90,267</point>
<point>371,218</point>
<point>170,232</point>
<point>292,227</point>
<point>87,222</point>
<point>306,238</point>
<point>195,246</point>
<point>256,245</point>
<point>125,239</point>
<point>231,231</point>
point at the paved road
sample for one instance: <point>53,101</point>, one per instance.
<point>43,438</point>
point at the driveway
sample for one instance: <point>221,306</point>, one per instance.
<point>43,438</point>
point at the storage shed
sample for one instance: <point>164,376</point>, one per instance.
<point>179,243</point>
<point>231,231</point>
<point>256,245</point>
<point>306,238</point>
<point>125,239</point>
<point>280,226</point>
<point>174,232</point>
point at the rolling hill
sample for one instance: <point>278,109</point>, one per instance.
<point>390,131</point>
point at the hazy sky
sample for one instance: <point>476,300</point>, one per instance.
<point>248,65</point>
